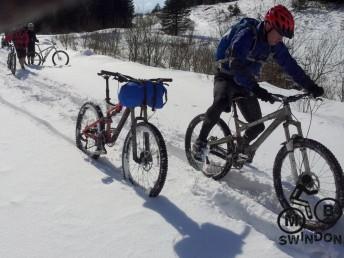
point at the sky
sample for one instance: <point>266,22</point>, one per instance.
<point>147,5</point>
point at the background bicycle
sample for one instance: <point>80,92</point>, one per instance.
<point>12,58</point>
<point>59,57</point>
<point>300,161</point>
<point>144,155</point>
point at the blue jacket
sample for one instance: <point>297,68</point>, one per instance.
<point>243,53</point>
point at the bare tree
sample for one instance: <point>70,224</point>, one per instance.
<point>222,20</point>
<point>203,60</point>
<point>133,38</point>
<point>321,61</point>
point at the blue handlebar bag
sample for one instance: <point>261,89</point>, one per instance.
<point>133,94</point>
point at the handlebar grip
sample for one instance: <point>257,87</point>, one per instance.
<point>103,72</point>
<point>125,78</point>
<point>117,76</point>
<point>161,80</point>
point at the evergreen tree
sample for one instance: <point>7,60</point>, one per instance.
<point>129,11</point>
<point>175,17</point>
<point>114,13</point>
<point>156,9</point>
<point>191,3</point>
<point>90,15</point>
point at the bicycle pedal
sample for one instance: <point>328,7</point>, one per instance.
<point>242,157</point>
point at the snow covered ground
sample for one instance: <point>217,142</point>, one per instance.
<point>56,202</point>
<point>312,21</point>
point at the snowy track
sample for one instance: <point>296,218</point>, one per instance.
<point>89,208</point>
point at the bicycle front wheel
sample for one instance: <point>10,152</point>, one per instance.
<point>149,172</point>
<point>324,178</point>
<point>60,57</point>
<point>88,131</point>
<point>218,163</point>
<point>13,63</point>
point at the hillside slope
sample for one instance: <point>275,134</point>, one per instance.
<point>56,202</point>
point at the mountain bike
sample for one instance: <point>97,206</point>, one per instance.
<point>59,57</point>
<point>144,154</point>
<point>12,59</point>
<point>299,161</point>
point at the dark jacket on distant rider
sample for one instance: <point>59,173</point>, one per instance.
<point>32,40</point>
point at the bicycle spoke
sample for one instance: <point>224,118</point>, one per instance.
<point>323,175</point>
<point>86,140</point>
<point>146,173</point>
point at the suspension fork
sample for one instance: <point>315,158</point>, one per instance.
<point>145,134</point>
<point>290,149</point>
<point>146,143</point>
<point>133,131</point>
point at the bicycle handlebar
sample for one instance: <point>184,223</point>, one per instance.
<point>293,98</point>
<point>160,80</point>
<point>46,42</point>
<point>126,78</point>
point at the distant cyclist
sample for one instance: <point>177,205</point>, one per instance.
<point>240,54</point>
<point>4,43</point>
<point>20,39</point>
<point>32,41</point>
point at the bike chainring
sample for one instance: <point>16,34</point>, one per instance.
<point>238,160</point>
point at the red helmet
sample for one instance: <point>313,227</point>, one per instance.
<point>281,20</point>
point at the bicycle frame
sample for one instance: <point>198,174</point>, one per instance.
<point>111,134</point>
<point>47,51</point>
<point>11,58</point>
<point>282,115</point>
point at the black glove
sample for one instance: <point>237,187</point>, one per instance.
<point>316,91</point>
<point>263,94</point>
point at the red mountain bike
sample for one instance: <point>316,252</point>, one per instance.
<point>144,155</point>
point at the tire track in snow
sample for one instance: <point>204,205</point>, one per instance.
<point>247,195</point>
<point>237,196</point>
<point>51,93</point>
<point>38,120</point>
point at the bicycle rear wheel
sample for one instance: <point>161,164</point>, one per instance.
<point>60,57</point>
<point>150,172</point>
<point>325,177</point>
<point>88,136</point>
<point>9,61</point>
<point>218,163</point>
<point>36,60</point>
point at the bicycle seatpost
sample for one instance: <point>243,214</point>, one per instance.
<point>107,98</point>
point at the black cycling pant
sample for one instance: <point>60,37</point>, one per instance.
<point>224,90</point>
<point>31,50</point>
<point>21,52</point>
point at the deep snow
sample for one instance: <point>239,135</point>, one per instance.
<point>56,202</point>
